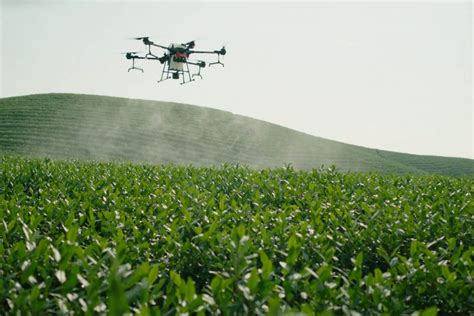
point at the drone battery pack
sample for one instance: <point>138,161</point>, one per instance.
<point>175,75</point>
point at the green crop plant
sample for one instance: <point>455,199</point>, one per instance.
<point>98,238</point>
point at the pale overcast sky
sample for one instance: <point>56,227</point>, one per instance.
<point>388,75</point>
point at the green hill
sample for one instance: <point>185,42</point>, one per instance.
<point>109,128</point>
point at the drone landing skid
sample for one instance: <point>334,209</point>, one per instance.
<point>218,62</point>
<point>185,82</point>
<point>161,80</point>
<point>133,66</point>
<point>198,74</point>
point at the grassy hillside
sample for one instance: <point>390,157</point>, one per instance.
<point>107,128</point>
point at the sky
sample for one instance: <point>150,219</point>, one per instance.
<point>388,75</point>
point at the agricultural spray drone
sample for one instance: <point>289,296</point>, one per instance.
<point>175,59</point>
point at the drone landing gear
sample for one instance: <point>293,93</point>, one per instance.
<point>149,53</point>
<point>163,73</point>
<point>175,73</point>
<point>133,66</point>
<point>218,62</point>
<point>198,73</point>
<point>189,75</point>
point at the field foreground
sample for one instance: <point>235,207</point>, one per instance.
<point>115,238</point>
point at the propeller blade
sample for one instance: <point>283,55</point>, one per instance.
<point>190,44</point>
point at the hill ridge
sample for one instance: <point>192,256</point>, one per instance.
<point>84,126</point>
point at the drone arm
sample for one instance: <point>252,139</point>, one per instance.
<point>222,51</point>
<point>150,58</point>
<point>158,45</point>
<point>201,64</point>
<point>203,52</point>
<point>144,57</point>
<point>160,59</point>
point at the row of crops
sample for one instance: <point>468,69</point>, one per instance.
<point>97,238</point>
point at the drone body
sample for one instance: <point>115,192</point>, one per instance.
<point>175,59</point>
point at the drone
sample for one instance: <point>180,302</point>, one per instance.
<point>175,59</point>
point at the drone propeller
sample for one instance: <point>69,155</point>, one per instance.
<point>131,55</point>
<point>190,44</point>
<point>145,39</point>
<point>222,51</point>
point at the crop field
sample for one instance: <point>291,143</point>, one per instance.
<point>97,238</point>
<point>109,129</point>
